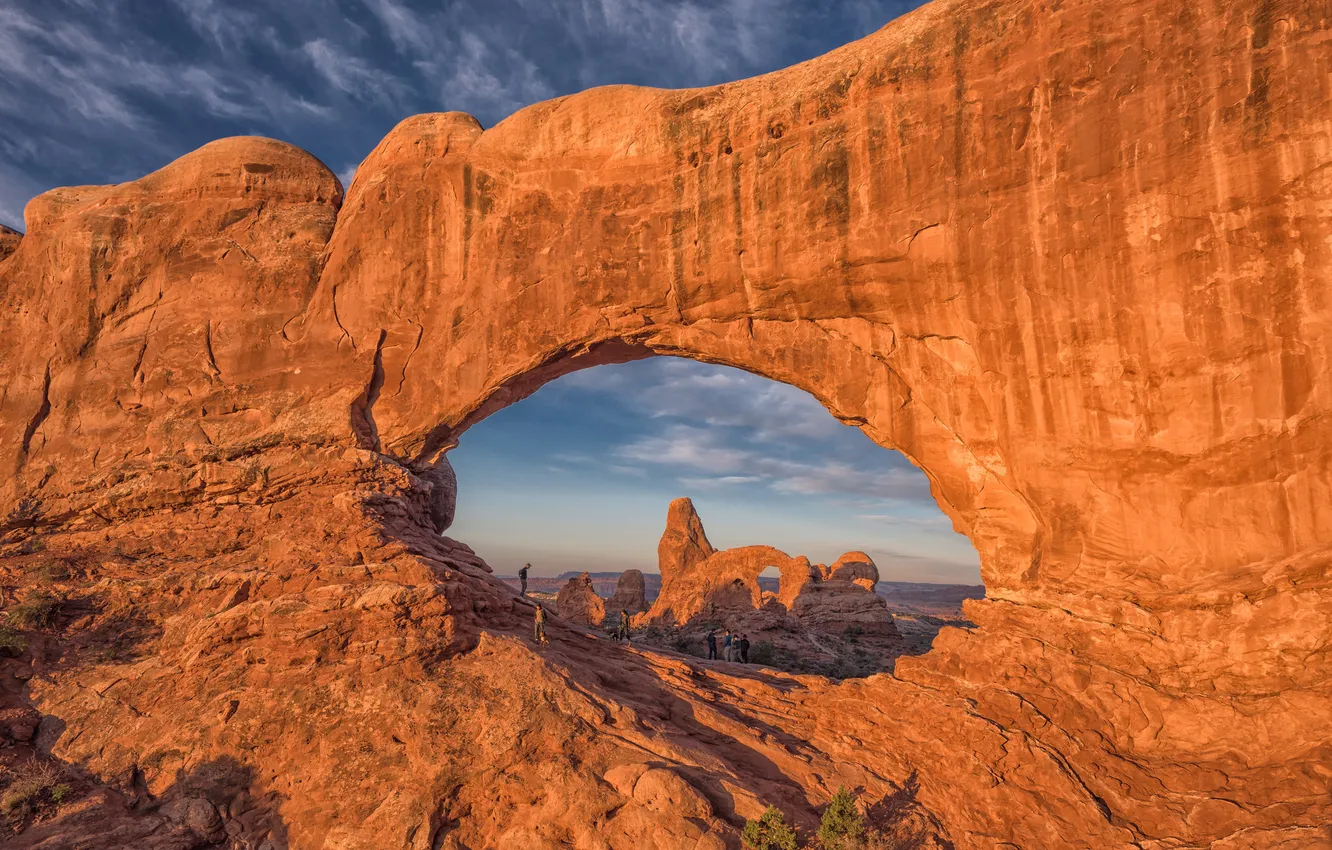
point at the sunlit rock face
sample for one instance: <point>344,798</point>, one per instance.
<point>1073,261</point>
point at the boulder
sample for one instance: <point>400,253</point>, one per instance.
<point>578,602</point>
<point>663,790</point>
<point>195,814</point>
<point>630,594</point>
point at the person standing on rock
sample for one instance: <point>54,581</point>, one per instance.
<point>744,649</point>
<point>727,647</point>
<point>522,578</point>
<point>623,633</point>
<point>712,644</point>
<point>539,625</point>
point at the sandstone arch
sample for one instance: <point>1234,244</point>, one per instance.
<point>698,582</point>
<point>684,547</point>
<point>1073,261</point>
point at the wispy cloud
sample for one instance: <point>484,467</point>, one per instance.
<point>353,75</point>
<point>899,519</point>
<point>409,33</point>
<point>709,450</point>
<point>766,410</point>
<point>109,91</point>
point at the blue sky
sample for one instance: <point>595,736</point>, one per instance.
<point>578,475</point>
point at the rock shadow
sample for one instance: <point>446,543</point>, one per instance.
<point>211,805</point>
<point>902,821</point>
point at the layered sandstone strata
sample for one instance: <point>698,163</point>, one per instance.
<point>1074,261</point>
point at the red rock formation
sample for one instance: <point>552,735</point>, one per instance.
<point>684,544</point>
<point>630,594</point>
<point>854,567</point>
<point>9,241</point>
<point>578,602</point>
<point>726,583</point>
<point>844,597</point>
<point>1073,260</point>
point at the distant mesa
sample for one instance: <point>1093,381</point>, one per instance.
<point>700,582</point>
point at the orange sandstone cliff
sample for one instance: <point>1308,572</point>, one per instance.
<point>1073,259</point>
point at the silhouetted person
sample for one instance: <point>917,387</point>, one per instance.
<point>539,625</point>
<point>727,646</point>
<point>744,649</point>
<point>623,633</point>
<point>712,645</point>
<point>522,577</point>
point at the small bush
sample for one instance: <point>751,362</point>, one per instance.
<point>33,784</point>
<point>769,832</point>
<point>843,826</point>
<point>36,612</point>
<point>852,633</point>
<point>12,644</point>
<point>53,571</point>
<point>762,652</point>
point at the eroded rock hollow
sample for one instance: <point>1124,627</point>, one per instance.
<point>1071,259</point>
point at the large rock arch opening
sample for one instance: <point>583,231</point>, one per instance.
<point>998,522</point>
<point>1073,262</point>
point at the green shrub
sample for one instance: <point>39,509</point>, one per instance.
<point>33,784</point>
<point>12,643</point>
<point>852,633</point>
<point>769,832</point>
<point>36,612</point>
<point>843,826</point>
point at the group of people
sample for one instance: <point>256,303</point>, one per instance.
<point>735,647</point>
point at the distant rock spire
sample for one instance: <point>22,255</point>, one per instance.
<point>684,544</point>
